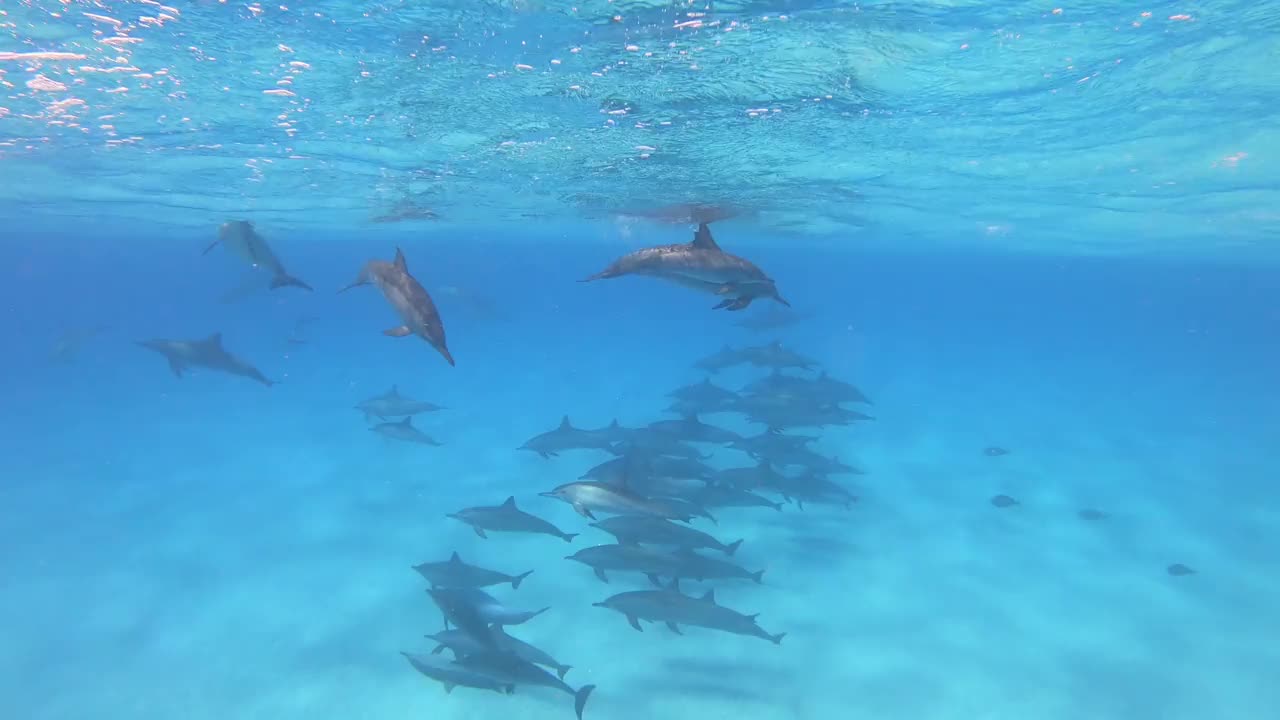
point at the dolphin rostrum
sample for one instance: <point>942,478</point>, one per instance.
<point>699,265</point>
<point>239,237</point>
<point>409,298</point>
<point>209,353</point>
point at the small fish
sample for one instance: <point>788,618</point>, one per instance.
<point>995,452</point>
<point>1003,501</point>
<point>1092,514</point>
<point>456,573</point>
<point>1179,570</point>
<point>508,518</point>
<point>404,430</point>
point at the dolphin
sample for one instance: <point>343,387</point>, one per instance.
<point>462,643</point>
<point>410,300</point>
<point>69,344</point>
<point>674,608</point>
<point>456,573</point>
<point>451,674</point>
<point>393,404</point>
<point>474,610</point>
<point>405,431</point>
<point>239,237</point>
<point>682,563</point>
<point>658,531</point>
<point>588,498</point>
<point>699,265</point>
<point>209,353</point>
<point>567,437</point>
<point>507,518</point>
<point>506,668</point>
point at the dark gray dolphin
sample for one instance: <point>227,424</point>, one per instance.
<point>239,237</point>
<point>456,573</point>
<point>409,298</point>
<point>207,353</point>
<point>699,265</point>
<point>393,404</point>
<point>507,518</point>
<point>404,431</point>
<point>462,643</point>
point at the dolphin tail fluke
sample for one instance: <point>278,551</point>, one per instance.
<point>777,639</point>
<point>515,582</point>
<point>580,699</point>
<point>286,280</point>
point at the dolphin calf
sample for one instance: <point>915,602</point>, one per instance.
<point>410,300</point>
<point>239,237</point>
<point>208,353</point>
<point>699,265</point>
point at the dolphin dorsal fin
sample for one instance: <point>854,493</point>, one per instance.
<point>510,504</point>
<point>709,596</point>
<point>394,391</point>
<point>702,239</point>
<point>401,265</point>
<point>565,424</point>
<point>614,425</point>
<point>675,585</point>
<point>455,558</point>
<point>214,340</point>
<point>407,422</point>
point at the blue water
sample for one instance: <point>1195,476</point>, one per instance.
<point>1084,274</point>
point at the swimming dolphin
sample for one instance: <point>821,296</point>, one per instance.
<point>456,573</point>
<point>507,518</point>
<point>209,353</point>
<point>699,265</point>
<point>451,674</point>
<point>462,643</point>
<point>674,608</point>
<point>404,430</point>
<point>409,298</point>
<point>393,404</point>
<point>507,668</point>
<point>239,237</point>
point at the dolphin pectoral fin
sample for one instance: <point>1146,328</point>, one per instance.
<point>212,245</point>
<point>584,511</point>
<point>479,532</point>
<point>654,579</point>
<point>355,284</point>
<point>399,332</point>
<point>176,367</point>
<point>439,649</point>
<point>448,688</point>
<point>635,622</point>
<point>674,628</point>
<point>600,574</point>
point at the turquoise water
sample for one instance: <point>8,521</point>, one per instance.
<point>1051,233</point>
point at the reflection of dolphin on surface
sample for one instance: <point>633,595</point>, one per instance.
<point>409,299</point>
<point>239,237</point>
<point>208,353</point>
<point>699,265</point>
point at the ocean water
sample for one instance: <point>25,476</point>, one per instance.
<point>1049,230</point>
